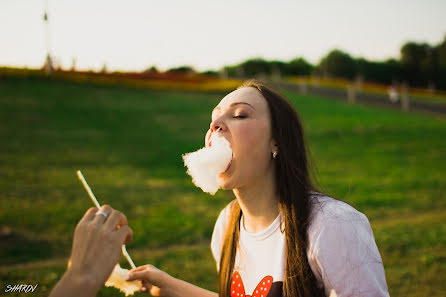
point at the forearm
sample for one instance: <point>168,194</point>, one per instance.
<point>180,288</point>
<point>74,285</point>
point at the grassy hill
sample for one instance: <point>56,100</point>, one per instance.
<point>128,143</point>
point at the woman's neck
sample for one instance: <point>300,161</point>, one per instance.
<point>259,204</point>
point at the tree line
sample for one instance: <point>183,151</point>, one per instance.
<point>419,65</point>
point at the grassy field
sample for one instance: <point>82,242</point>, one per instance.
<point>128,143</point>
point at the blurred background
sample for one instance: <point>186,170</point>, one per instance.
<point>120,90</point>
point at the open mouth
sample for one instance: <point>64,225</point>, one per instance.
<point>230,163</point>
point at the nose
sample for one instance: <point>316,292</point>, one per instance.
<point>214,127</point>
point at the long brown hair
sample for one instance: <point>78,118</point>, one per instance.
<point>293,181</point>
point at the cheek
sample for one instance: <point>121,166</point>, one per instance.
<point>252,140</point>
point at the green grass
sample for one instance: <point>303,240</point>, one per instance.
<point>128,143</point>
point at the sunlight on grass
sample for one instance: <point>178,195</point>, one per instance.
<point>128,144</point>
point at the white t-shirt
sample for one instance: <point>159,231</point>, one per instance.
<point>342,254</point>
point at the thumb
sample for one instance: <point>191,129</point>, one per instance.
<point>146,275</point>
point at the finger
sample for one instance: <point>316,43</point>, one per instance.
<point>134,275</point>
<point>89,214</point>
<point>142,275</point>
<point>115,218</point>
<point>146,286</point>
<point>100,219</point>
<point>143,289</point>
<point>125,234</point>
<point>140,268</point>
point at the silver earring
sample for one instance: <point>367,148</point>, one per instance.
<point>274,154</point>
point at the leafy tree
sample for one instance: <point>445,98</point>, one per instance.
<point>338,64</point>
<point>441,64</point>
<point>182,69</point>
<point>298,66</point>
<point>255,66</point>
<point>411,56</point>
<point>210,73</point>
<point>382,72</point>
<point>152,69</point>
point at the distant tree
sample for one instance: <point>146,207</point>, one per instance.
<point>152,69</point>
<point>255,66</point>
<point>182,69</point>
<point>104,68</point>
<point>210,73</point>
<point>441,64</point>
<point>412,56</point>
<point>385,72</point>
<point>73,64</point>
<point>298,66</point>
<point>230,71</point>
<point>260,66</point>
<point>275,65</point>
<point>338,64</point>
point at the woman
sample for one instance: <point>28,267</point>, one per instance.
<point>280,236</point>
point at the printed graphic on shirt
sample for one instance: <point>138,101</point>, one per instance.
<point>265,288</point>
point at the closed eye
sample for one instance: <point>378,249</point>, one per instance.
<point>239,116</point>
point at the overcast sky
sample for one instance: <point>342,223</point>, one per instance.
<point>207,34</point>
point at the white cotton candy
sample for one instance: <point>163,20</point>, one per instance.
<point>118,279</point>
<point>205,165</point>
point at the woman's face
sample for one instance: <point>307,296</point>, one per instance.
<point>244,119</point>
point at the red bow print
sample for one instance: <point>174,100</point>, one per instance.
<point>262,289</point>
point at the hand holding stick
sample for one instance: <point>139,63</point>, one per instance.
<point>96,203</point>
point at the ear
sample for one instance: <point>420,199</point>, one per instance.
<point>273,146</point>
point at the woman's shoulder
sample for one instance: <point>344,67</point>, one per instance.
<point>326,209</point>
<point>219,232</point>
<point>223,219</point>
<point>331,215</point>
<point>342,251</point>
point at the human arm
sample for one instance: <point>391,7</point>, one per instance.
<point>159,283</point>
<point>96,249</point>
<point>72,283</point>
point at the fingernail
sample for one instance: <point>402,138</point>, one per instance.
<point>144,289</point>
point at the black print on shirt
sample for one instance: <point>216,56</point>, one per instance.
<point>265,288</point>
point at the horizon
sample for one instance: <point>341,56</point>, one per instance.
<point>197,33</point>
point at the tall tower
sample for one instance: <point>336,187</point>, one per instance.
<point>48,66</point>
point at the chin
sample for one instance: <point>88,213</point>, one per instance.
<point>226,183</point>
<point>225,186</point>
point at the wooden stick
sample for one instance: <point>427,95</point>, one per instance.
<point>96,203</point>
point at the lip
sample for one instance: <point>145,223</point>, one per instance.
<point>209,140</point>
<point>229,165</point>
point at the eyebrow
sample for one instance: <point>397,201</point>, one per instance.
<point>232,104</point>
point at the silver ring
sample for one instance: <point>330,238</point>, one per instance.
<point>103,213</point>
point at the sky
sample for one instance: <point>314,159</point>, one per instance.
<point>134,35</point>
